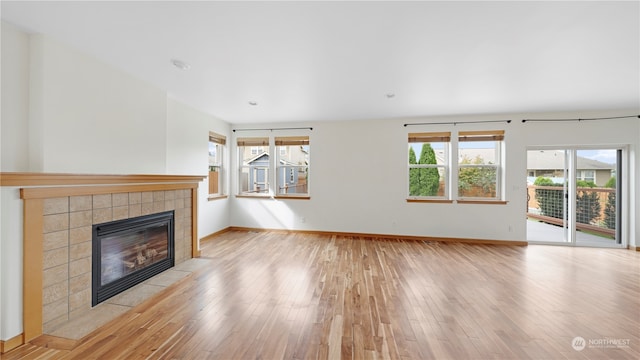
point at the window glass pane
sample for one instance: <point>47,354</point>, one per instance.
<point>483,152</point>
<point>216,148</point>
<point>254,180</point>
<point>253,175</point>
<point>215,155</point>
<point>428,169</point>
<point>477,181</point>
<point>478,169</point>
<point>427,181</point>
<point>292,175</point>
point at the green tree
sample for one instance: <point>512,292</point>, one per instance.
<point>610,206</point>
<point>430,177</point>
<point>414,175</point>
<point>423,181</point>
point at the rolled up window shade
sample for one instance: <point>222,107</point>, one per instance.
<point>486,135</point>
<point>429,137</point>
<point>253,141</point>
<point>217,138</point>
<point>292,140</point>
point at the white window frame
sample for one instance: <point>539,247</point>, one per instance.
<point>255,147</point>
<point>444,170</point>
<point>496,136</point>
<point>219,141</point>
<point>286,143</point>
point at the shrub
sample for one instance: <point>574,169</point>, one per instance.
<point>482,179</point>
<point>550,200</point>
<point>587,205</point>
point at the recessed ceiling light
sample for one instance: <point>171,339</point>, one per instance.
<point>253,103</point>
<point>390,95</point>
<point>180,64</point>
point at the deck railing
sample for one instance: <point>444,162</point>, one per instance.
<point>595,207</point>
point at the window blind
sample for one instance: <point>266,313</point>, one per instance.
<point>429,137</point>
<point>217,138</point>
<point>485,135</point>
<point>253,141</point>
<point>292,140</point>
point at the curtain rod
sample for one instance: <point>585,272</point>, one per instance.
<point>458,122</point>
<point>588,119</point>
<point>292,128</point>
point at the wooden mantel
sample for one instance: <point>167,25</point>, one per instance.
<point>36,187</point>
<point>50,179</point>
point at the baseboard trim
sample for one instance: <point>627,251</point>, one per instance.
<point>385,236</point>
<point>14,342</point>
<point>214,234</point>
<point>636,248</point>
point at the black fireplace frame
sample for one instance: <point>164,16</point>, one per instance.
<point>101,293</point>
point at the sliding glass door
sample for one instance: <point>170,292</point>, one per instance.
<point>573,196</point>
<point>597,218</point>
<point>547,195</point>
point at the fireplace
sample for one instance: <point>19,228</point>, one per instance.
<point>127,252</point>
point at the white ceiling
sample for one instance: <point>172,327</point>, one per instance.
<point>314,61</point>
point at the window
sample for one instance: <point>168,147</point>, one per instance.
<point>429,165</point>
<point>216,155</point>
<point>253,177</point>
<point>479,154</point>
<point>256,150</point>
<point>292,168</point>
<point>587,175</point>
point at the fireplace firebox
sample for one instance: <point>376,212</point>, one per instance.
<point>130,251</point>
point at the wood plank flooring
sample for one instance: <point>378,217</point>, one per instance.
<point>303,296</point>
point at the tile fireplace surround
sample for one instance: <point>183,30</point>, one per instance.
<point>57,233</point>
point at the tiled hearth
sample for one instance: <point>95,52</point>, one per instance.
<point>67,231</point>
<point>83,323</point>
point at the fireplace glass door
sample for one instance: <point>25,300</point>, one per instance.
<point>129,251</point>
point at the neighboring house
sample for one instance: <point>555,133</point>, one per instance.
<point>487,155</point>
<point>550,163</point>
<point>258,176</point>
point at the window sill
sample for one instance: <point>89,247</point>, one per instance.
<point>216,197</point>
<point>302,197</point>
<point>487,202</point>
<point>434,201</point>
<point>262,196</point>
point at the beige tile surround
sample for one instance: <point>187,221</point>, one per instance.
<point>67,231</point>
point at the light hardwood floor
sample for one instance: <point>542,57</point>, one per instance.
<point>302,296</point>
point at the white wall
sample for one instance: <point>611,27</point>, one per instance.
<point>14,157</point>
<point>15,99</point>
<point>358,177</point>
<point>10,263</point>
<point>81,103</point>
<point>187,153</point>
<point>66,112</point>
